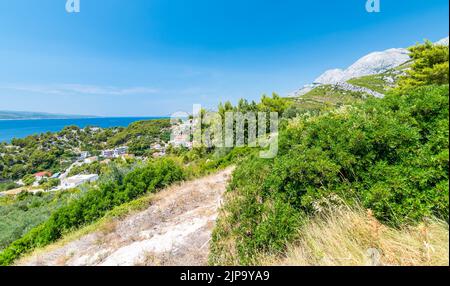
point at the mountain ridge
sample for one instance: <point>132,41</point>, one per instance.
<point>371,64</point>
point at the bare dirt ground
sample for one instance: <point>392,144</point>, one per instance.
<point>174,230</point>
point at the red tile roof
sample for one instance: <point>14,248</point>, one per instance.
<point>43,174</point>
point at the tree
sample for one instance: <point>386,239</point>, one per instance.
<point>430,66</point>
<point>50,183</point>
<point>28,180</point>
<point>273,104</point>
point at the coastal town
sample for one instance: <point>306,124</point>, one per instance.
<point>46,181</point>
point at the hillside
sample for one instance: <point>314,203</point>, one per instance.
<point>173,228</point>
<point>354,172</point>
<point>388,155</point>
<point>377,71</point>
<point>55,152</point>
<point>348,236</point>
<point>326,97</point>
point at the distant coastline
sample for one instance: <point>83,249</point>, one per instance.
<point>43,118</point>
<point>21,128</point>
<point>29,115</point>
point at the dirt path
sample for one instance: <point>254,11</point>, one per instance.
<point>174,230</point>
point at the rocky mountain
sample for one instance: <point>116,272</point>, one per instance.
<point>330,77</point>
<point>371,64</point>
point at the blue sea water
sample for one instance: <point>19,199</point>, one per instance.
<point>10,129</point>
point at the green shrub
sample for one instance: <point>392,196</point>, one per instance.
<point>6,186</point>
<point>94,204</point>
<point>430,66</point>
<point>48,184</point>
<point>389,154</point>
<point>26,211</point>
<point>28,180</point>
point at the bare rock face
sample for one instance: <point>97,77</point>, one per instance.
<point>373,63</point>
<point>350,87</point>
<point>377,62</point>
<point>330,77</point>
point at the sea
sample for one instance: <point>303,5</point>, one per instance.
<point>10,129</point>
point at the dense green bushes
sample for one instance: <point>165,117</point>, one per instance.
<point>390,154</point>
<point>19,215</point>
<point>139,135</point>
<point>94,204</point>
<point>91,168</point>
<point>8,185</point>
<point>430,66</point>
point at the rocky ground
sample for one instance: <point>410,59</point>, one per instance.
<point>174,230</point>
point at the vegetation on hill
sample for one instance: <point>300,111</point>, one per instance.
<point>7,185</point>
<point>94,204</point>
<point>22,213</point>
<point>429,66</point>
<point>57,151</point>
<point>325,97</point>
<point>140,135</point>
<point>92,168</point>
<point>390,155</point>
<point>381,83</point>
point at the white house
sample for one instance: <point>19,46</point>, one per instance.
<point>83,155</point>
<point>75,181</point>
<point>116,153</point>
<point>41,175</point>
<point>108,153</point>
<point>181,134</point>
<point>119,151</point>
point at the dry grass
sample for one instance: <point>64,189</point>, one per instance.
<point>105,226</point>
<point>341,236</point>
<point>198,195</point>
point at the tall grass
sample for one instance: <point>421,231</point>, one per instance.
<point>344,236</point>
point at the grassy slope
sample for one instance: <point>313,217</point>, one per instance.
<point>375,82</point>
<point>102,225</point>
<point>196,169</point>
<point>326,97</point>
<point>265,200</point>
<point>350,237</point>
<point>382,82</point>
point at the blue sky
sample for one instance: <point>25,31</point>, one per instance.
<point>155,57</point>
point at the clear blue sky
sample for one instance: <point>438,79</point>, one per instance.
<point>155,57</point>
